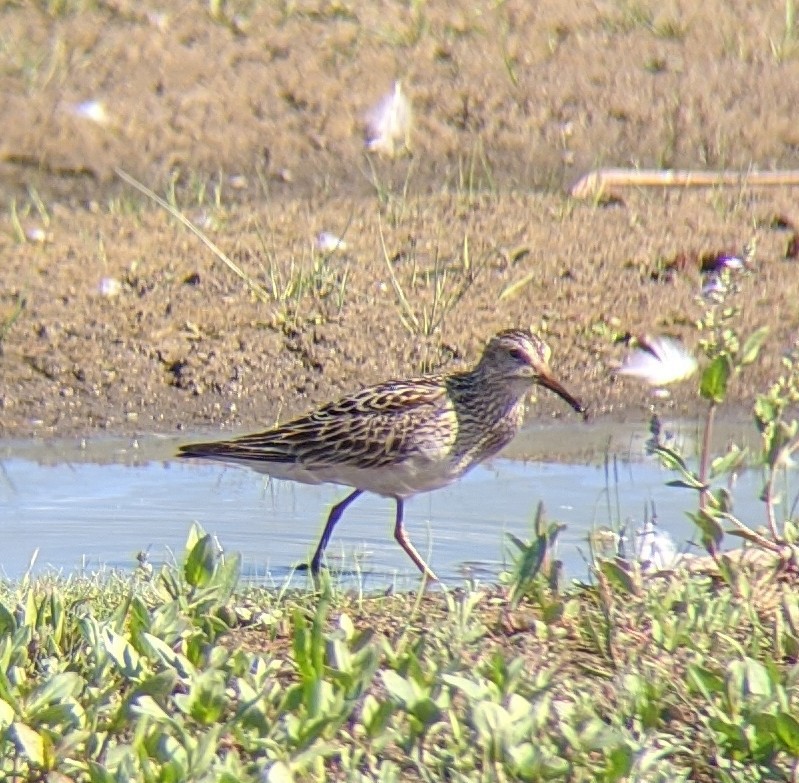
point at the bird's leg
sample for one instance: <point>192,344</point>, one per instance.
<point>332,519</point>
<point>403,541</point>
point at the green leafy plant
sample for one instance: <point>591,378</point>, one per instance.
<point>728,354</point>
<point>445,286</point>
<point>534,571</point>
<point>779,441</point>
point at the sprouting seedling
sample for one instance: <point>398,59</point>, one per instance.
<point>388,124</point>
<point>659,361</point>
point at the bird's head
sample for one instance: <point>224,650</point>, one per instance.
<point>519,357</point>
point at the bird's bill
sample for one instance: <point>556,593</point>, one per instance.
<point>551,383</point>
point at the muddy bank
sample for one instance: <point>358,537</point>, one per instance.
<point>252,123</point>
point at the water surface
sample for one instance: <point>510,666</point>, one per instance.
<point>90,505</point>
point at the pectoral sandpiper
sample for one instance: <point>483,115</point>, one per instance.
<point>403,437</point>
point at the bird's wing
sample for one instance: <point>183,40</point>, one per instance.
<point>372,428</point>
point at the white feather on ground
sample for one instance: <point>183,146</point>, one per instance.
<point>388,124</point>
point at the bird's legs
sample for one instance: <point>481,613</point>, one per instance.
<point>404,542</point>
<point>332,519</point>
<point>399,535</point>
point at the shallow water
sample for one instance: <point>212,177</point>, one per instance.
<point>90,505</point>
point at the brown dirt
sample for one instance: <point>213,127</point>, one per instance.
<point>252,122</point>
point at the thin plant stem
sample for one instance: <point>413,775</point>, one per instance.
<point>704,459</point>
<point>260,292</point>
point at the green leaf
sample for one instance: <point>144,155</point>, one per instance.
<point>763,732</point>
<point>172,753</point>
<point>399,688</point>
<point>56,689</point>
<point>208,699</point>
<point>715,378</point>
<point>199,566</point>
<point>426,711</point>
<point>710,528</point>
<point>6,715</point>
<point>527,762</point>
<point>732,735</point>
<point>618,577</point>
<point>758,679</point>
<point>490,719</point>
<point>719,503</point>
<point>732,460</point>
<point>619,763</point>
<point>751,347</point>
<point>159,685</point>
<point>196,532</point>
<point>527,566</point>
<point>169,657</point>
<point>670,459</point>
<point>729,571</point>
<point>708,683</point>
<point>778,438</point>
<point>788,731</point>
<point>375,715</point>
<point>7,623</point>
<point>205,751</point>
<point>29,742</point>
<point>99,774</point>
<point>308,646</point>
<point>123,654</point>
<point>147,705</point>
<point>766,411</point>
<point>692,483</point>
<point>471,689</point>
<point>227,576</point>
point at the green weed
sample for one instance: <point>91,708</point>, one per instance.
<point>786,46</point>
<point>727,354</point>
<point>179,674</point>
<point>445,284</point>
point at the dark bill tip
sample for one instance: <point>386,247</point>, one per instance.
<point>560,390</point>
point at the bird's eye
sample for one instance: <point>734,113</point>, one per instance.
<point>519,355</point>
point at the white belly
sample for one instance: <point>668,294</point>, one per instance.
<point>401,480</point>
